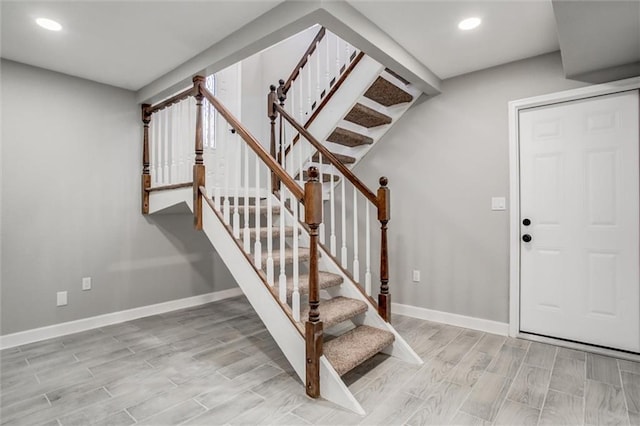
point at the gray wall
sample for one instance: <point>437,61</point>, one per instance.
<point>445,159</point>
<point>71,207</point>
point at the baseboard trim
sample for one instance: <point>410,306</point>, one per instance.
<point>62,329</point>
<point>474,323</point>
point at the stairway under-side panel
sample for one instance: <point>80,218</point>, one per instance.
<point>272,314</point>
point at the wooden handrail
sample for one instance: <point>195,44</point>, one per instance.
<point>172,100</point>
<point>329,95</point>
<point>168,187</point>
<point>348,174</point>
<point>305,57</point>
<point>250,140</point>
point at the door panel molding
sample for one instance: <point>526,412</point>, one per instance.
<point>597,124</point>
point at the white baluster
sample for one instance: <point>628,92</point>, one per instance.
<point>338,50</point>
<point>367,273</point>
<point>317,61</point>
<point>184,146</point>
<point>153,146</point>
<point>269,229</point>
<point>343,253</point>
<point>301,117</point>
<point>332,201</point>
<point>180,141</point>
<point>356,261</point>
<point>295,298</point>
<point>191,155</point>
<point>257,251</point>
<point>246,233</point>
<point>167,144</point>
<point>175,140</point>
<point>282,278</point>
<point>162,125</point>
<point>325,42</point>
<point>300,170</point>
<point>226,171</point>
<point>238,161</point>
<point>309,101</point>
<point>347,49</point>
<point>321,230</point>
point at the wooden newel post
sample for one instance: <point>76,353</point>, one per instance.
<point>198,167</point>
<point>146,175</point>
<point>273,114</point>
<point>384,214</point>
<point>313,328</point>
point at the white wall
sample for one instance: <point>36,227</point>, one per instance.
<point>263,69</point>
<point>445,159</point>
<point>71,207</point>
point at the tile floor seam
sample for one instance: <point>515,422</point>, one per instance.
<point>544,400</point>
<point>584,391</point>
<point>126,410</point>
<point>479,378</point>
<point>624,395</point>
<point>515,376</point>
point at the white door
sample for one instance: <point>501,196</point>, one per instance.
<point>579,189</point>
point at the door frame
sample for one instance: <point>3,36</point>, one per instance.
<point>514,182</point>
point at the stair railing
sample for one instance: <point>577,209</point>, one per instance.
<point>242,182</point>
<point>349,204</point>
<point>317,76</point>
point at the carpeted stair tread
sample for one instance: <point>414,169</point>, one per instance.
<point>303,254</point>
<point>275,232</point>
<point>275,209</point>
<point>386,93</point>
<point>336,310</point>
<point>348,138</point>
<point>355,347</point>
<point>344,159</point>
<point>367,117</point>
<point>326,280</point>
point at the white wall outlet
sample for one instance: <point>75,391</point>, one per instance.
<point>498,203</point>
<point>61,298</point>
<point>86,283</point>
<point>415,276</point>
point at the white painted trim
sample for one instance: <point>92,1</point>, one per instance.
<point>473,323</point>
<point>514,176</point>
<point>62,329</point>
<point>581,347</point>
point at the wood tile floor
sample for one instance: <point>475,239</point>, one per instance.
<point>216,364</point>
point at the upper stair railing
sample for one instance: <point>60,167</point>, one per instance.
<point>246,171</point>
<point>347,225</point>
<point>323,69</point>
<point>319,73</point>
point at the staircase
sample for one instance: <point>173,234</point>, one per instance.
<point>299,270</point>
<point>348,118</point>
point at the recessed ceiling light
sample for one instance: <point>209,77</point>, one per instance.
<point>469,23</point>
<point>49,24</point>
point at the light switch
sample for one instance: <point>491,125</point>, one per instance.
<point>498,203</point>
<point>61,298</point>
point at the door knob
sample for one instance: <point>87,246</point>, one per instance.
<point>526,238</point>
<point>526,222</point>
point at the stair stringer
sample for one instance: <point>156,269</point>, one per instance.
<point>275,319</point>
<point>400,348</point>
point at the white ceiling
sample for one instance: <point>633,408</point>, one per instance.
<point>121,43</point>
<point>428,30</point>
<point>131,43</point>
